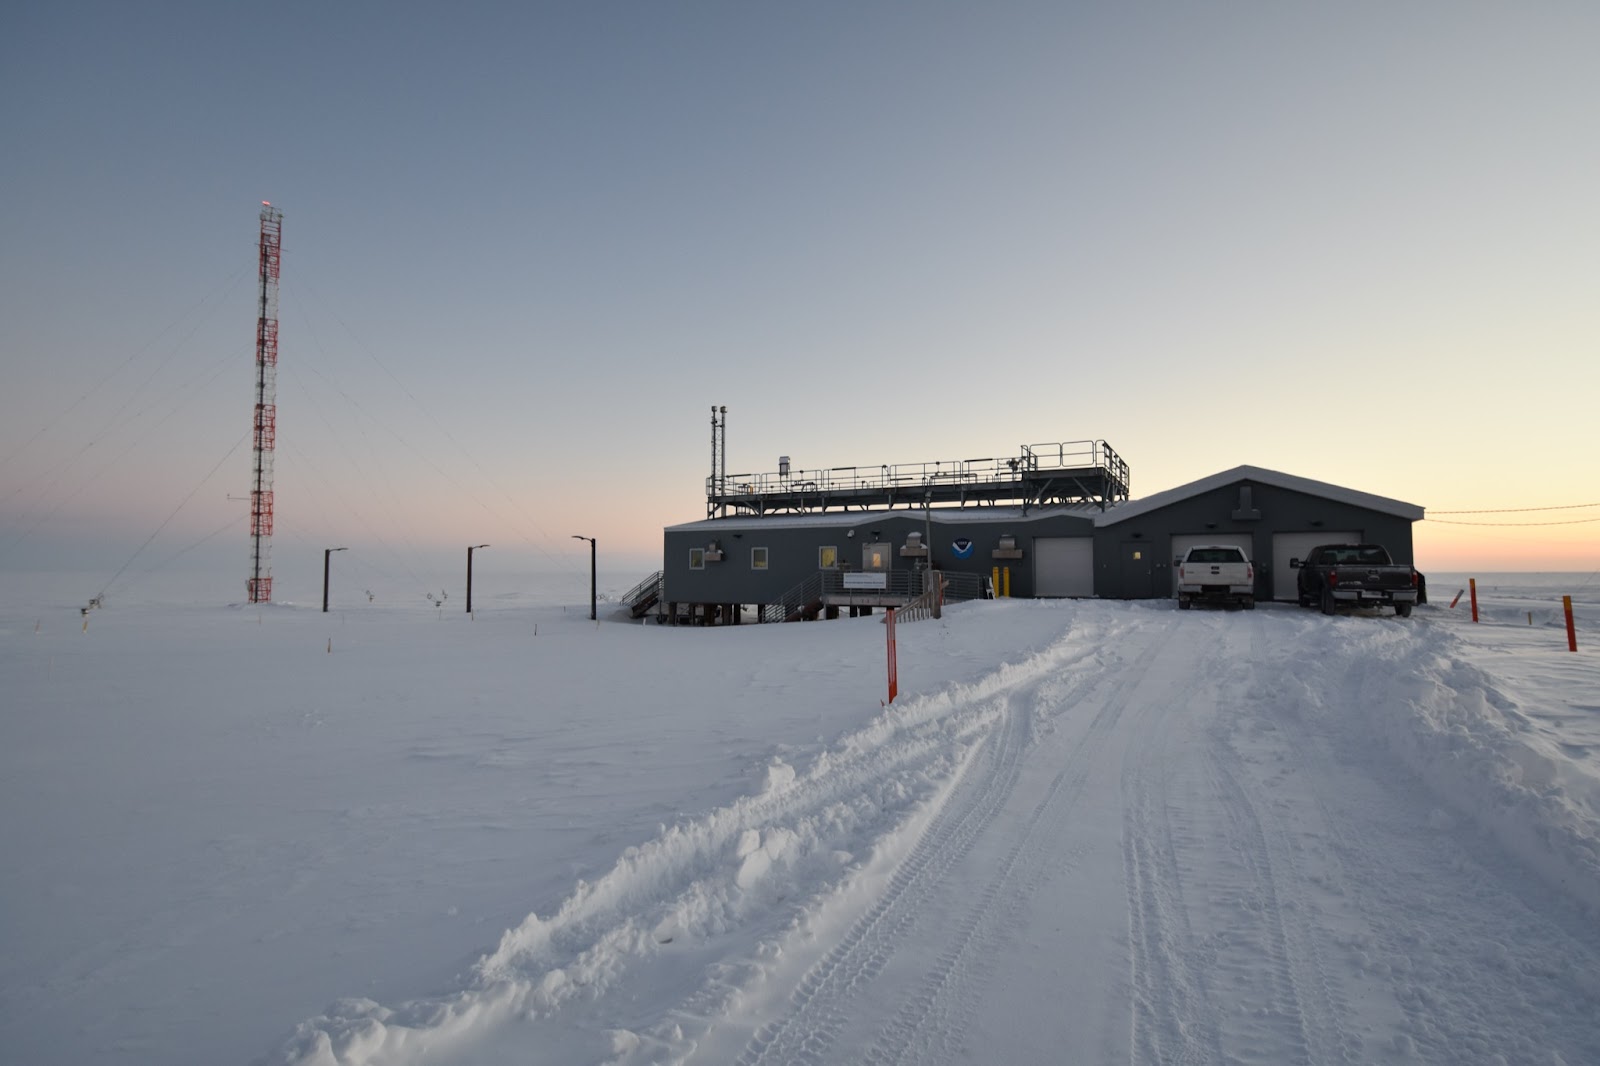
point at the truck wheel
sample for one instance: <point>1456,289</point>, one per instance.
<point>1305,601</point>
<point>1403,610</point>
<point>1327,601</point>
<point>1183,603</point>
<point>1248,603</point>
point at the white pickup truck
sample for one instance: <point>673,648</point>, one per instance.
<point>1216,573</point>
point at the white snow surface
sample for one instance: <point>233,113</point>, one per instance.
<point>1085,832</point>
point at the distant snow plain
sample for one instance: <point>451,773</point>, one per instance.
<point>1086,832</point>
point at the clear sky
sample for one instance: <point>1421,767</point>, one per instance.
<point>528,246</point>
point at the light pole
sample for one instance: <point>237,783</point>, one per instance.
<point>470,549</point>
<point>327,553</point>
<point>591,574</point>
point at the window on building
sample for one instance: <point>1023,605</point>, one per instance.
<point>828,557</point>
<point>758,558</point>
<point>697,558</point>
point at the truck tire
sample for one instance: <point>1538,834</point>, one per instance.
<point>1327,601</point>
<point>1305,601</point>
<point>1248,603</point>
<point>1183,603</point>
<point>1403,610</point>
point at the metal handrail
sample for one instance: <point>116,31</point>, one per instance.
<point>961,586</point>
<point>637,593</point>
<point>806,592</point>
<point>1032,460</point>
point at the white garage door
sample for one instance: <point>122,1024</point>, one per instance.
<point>1182,542</point>
<point>1286,546</point>
<point>1063,566</point>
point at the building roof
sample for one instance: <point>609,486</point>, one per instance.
<point>1122,512</point>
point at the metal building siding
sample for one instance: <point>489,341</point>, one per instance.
<point>792,556</point>
<point>1213,513</point>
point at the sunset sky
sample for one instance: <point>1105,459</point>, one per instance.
<point>528,246</point>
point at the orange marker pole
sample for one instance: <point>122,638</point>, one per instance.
<point>894,671</point>
<point>1472,583</point>
<point>1572,633</point>
<point>1457,599</point>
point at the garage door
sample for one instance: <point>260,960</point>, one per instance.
<point>1182,542</point>
<point>1286,546</point>
<point>1063,566</point>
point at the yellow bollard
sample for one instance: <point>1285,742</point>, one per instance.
<point>995,583</point>
<point>1007,575</point>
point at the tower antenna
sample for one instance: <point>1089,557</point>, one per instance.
<point>719,461</point>
<point>266,423</point>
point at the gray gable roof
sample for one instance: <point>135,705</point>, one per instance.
<point>1261,476</point>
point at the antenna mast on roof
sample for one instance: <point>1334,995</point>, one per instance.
<point>719,461</point>
<point>259,585</point>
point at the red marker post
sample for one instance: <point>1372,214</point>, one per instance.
<point>1572,633</point>
<point>1472,583</point>
<point>894,673</point>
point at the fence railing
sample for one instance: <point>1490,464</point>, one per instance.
<point>802,595</point>
<point>1032,460</point>
<point>645,595</point>
<point>649,588</point>
<point>905,584</point>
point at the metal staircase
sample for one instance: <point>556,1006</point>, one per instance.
<point>643,596</point>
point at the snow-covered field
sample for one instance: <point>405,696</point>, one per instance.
<point>1085,832</point>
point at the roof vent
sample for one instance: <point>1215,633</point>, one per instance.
<point>1246,510</point>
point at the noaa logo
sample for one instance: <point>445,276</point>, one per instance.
<point>962,547</point>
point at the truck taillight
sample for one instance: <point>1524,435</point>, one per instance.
<point>1250,573</point>
<point>1333,578</point>
<point>1413,579</point>
<point>1180,573</point>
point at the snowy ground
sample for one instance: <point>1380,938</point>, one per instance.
<point>1085,832</point>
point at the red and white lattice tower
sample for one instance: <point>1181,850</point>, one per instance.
<point>266,426</point>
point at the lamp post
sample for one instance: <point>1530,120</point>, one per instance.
<point>327,553</point>
<point>470,549</point>
<point>575,536</point>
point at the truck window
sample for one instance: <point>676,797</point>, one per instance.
<point>1216,555</point>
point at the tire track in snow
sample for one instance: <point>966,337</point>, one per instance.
<point>1171,1019</point>
<point>931,1022</point>
<point>821,1005</point>
<point>818,1006</point>
<point>1271,906</point>
<point>655,912</point>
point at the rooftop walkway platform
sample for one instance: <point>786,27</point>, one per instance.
<point>1071,472</point>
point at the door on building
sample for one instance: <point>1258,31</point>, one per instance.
<point>876,556</point>
<point>1286,546</point>
<point>1137,571</point>
<point>1063,566</point>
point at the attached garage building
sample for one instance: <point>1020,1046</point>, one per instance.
<point>1273,516</point>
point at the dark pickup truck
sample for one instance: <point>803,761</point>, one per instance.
<point>1354,575</point>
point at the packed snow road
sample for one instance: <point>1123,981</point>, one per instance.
<point>1207,837</point>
